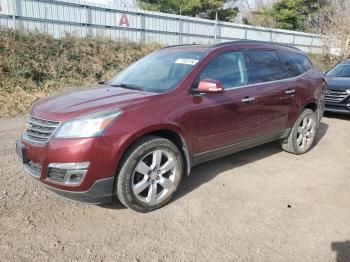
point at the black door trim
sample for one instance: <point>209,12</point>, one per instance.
<point>230,149</point>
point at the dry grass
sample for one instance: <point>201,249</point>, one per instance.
<point>325,61</point>
<point>34,65</point>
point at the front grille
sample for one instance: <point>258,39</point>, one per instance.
<point>40,130</point>
<point>336,95</point>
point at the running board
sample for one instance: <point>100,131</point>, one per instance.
<point>230,149</point>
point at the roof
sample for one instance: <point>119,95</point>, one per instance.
<point>238,42</point>
<point>185,46</point>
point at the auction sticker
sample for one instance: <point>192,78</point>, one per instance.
<point>186,61</point>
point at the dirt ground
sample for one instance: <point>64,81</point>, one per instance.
<point>258,205</point>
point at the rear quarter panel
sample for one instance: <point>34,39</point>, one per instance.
<point>311,89</point>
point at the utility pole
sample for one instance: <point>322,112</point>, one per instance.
<point>216,27</point>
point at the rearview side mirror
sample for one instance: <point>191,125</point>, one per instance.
<point>209,86</point>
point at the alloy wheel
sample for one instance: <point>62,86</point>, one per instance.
<point>154,176</point>
<point>306,132</point>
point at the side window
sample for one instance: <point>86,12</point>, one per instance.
<point>296,64</point>
<point>264,66</point>
<point>228,68</point>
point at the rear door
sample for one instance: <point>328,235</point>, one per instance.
<point>222,119</point>
<point>276,95</point>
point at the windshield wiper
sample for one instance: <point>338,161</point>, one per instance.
<point>128,86</point>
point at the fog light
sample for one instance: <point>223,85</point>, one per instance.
<point>56,174</point>
<point>67,173</point>
<point>74,177</point>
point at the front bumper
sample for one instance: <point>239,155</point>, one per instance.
<point>99,193</point>
<point>97,186</point>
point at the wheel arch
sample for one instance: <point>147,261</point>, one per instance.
<point>179,141</point>
<point>311,104</point>
<point>166,132</point>
<point>316,107</point>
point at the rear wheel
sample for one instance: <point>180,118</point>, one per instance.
<point>303,133</point>
<point>150,174</point>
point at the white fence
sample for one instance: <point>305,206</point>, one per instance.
<point>86,19</point>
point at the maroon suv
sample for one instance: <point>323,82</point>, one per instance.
<point>134,137</point>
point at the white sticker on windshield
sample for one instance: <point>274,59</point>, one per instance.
<point>186,61</point>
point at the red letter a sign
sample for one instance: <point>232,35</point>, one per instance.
<point>124,20</point>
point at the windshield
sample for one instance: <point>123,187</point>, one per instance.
<point>158,72</point>
<point>340,70</point>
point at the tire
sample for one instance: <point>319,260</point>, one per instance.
<point>303,133</point>
<point>149,175</point>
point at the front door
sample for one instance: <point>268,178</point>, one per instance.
<point>223,119</point>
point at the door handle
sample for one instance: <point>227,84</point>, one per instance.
<point>290,91</point>
<point>248,100</point>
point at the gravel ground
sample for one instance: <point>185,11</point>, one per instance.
<point>258,205</point>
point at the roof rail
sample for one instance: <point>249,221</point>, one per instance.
<point>254,42</point>
<point>170,46</point>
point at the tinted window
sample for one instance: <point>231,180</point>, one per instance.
<point>340,70</point>
<point>264,66</point>
<point>228,68</point>
<point>296,64</point>
<point>159,71</point>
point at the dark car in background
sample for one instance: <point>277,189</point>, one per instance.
<point>338,90</point>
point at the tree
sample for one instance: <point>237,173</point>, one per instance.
<point>337,32</point>
<point>258,14</point>
<point>301,15</point>
<point>196,8</point>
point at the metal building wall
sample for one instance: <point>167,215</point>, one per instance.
<point>80,18</point>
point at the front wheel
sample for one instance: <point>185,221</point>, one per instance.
<point>150,174</point>
<point>303,133</point>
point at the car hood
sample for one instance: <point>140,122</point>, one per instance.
<point>86,100</point>
<point>338,83</point>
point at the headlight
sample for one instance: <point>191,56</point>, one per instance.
<point>87,126</point>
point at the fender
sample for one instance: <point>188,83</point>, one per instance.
<point>186,150</point>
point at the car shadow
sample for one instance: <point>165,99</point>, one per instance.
<point>343,251</point>
<point>116,204</point>
<point>337,115</point>
<point>203,173</point>
<point>322,130</point>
